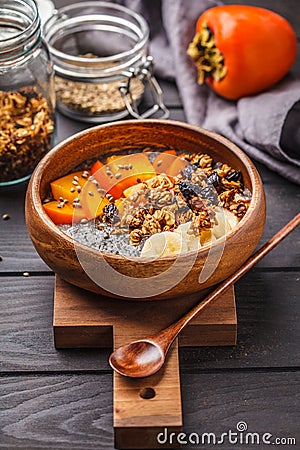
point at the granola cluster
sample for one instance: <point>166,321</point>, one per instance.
<point>26,128</point>
<point>164,203</point>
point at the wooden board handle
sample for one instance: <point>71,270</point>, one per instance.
<point>144,407</point>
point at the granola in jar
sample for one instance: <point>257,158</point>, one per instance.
<point>27,97</point>
<point>26,129</point>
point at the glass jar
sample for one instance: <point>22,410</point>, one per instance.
<point>46,8</point>
<point>26,91</point>
<point>101,62</point>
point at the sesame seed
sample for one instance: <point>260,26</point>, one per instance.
<point>1,258</point>
<point>76,178</point>
<point>110,197</point>
<point>59,206</point>
<point>91,178</point>
<point>130,166</point>
<point>78,189</point>
<point>75,183</point>
<point>91,193</point>
<point>76,200</point>
<point>72,190</point>
<point>95,183</point>
<point>5,217</point>
<point>61,199</point>
<point>83,221</point>
<point>118,175</point>
<point>120,166</point>
<point>159,163</point>
<point>26,274</point>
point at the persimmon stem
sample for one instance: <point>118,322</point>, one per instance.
<point>207,57</point>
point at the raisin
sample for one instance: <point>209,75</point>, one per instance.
<point>188,171</point>
<point>111,212</point>
<point>235,176</point>
<point>210,194</point>
<point>188,189</point>
<point>214,179</point>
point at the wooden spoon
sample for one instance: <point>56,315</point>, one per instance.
<point>146,356</point>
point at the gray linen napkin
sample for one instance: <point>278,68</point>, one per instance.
<point>254,123</point>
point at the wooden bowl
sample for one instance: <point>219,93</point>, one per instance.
<point>67,260</point>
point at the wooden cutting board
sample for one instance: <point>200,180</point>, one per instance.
<point>143,408</point>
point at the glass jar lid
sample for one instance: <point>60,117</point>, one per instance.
<point>19,29</point>
<point>95,39</point>
<point>101,62</point>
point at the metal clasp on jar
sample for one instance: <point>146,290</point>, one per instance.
<point>145,73</point>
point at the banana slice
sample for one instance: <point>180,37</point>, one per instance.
<point>192,241</point>
<point>165,243</point>
<point>220,228</point>
<point>231,218</point>
<point>226,221</point>
<point>169,243</point>
<point>195,242</point>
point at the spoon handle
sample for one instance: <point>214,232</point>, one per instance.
<point>166,336</point>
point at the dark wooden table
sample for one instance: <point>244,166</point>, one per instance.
<point>63,399</point>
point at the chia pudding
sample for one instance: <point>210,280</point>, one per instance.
<point>102,239</point>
